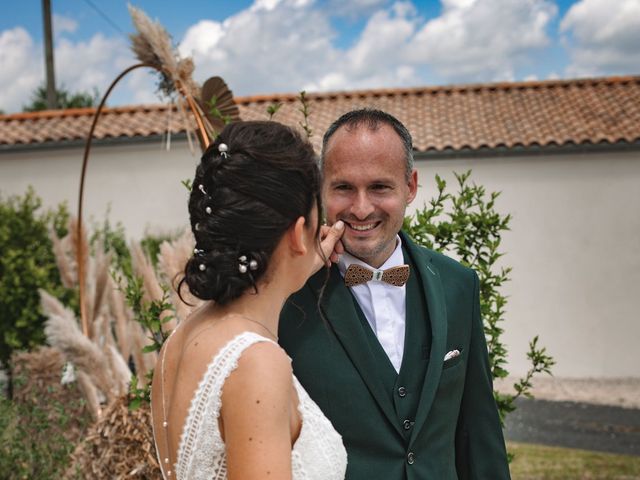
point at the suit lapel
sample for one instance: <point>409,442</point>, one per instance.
<point>434,294</point>
<point>337,305</point>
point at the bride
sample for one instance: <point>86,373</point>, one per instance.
<point>224,401</point>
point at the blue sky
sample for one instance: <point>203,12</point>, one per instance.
<point>268,46</point>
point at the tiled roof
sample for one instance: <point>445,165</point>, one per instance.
<point>525,114</point>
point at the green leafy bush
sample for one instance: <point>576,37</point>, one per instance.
<point>467,226</point>
<point>27,263</point>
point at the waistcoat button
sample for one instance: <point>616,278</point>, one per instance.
<point>407,424</point>
<point>411,458</point>
<point>402,391</point>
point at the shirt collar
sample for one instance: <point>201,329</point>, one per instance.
<point>396,259</point>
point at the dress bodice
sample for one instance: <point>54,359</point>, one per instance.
<point>318,453</point>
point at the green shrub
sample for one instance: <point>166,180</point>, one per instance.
<point>26,264</point>
<point>466,226</point>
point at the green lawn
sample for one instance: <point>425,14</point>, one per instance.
<point>537,462</point>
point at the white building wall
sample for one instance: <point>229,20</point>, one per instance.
<point>574,246</point>
<point>574,240</point>
<point>139,184</point>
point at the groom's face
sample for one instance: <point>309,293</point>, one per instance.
<point>366,186</point>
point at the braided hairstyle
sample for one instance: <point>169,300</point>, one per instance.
<point>242,202</point>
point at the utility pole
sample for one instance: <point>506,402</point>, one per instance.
<point>52,101</point>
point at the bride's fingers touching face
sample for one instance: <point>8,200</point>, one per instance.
<point>330,243</point>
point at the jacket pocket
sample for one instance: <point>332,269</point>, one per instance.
<point>452,362</point>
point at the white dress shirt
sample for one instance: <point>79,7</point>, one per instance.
<point>383,305</point>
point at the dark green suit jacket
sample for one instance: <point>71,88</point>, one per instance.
<point>457,432</point>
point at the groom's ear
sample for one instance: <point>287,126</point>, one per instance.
<point>296,236</point>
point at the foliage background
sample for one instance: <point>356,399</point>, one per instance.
<point>26,264</point>
<point>466,225</point>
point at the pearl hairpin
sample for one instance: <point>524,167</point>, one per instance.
<point>223,149</point>
<point>244,266</point>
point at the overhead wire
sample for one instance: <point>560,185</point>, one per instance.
<point>104,16</point>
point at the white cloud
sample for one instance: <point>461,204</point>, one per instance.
<point>63,24</point>
<point>378,57</point>
<point>601,38</point>
<point>287,45</point>
<point>479,40</point>
<point>202,39</point>
<point>273,46</point>
<point>79,66</point>
<point>21,68</point>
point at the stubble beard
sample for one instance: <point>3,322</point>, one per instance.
<point>370,253</point>
<point>365,253</point>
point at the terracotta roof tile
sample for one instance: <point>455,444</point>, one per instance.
<point>557,112</point>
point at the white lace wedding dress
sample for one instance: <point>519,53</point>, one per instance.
<point>318,453</point>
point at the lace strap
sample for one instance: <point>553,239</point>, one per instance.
<point>207,400</point>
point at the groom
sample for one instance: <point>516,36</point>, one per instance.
<point>397,360</point>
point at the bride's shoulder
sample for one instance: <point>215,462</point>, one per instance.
<point>263,368</point>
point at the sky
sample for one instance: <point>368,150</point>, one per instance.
<point>275,46</point>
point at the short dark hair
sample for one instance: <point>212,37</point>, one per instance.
<point>372,118</point>
<point>242,203</point>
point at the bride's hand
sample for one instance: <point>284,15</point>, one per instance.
<point>330,243</point>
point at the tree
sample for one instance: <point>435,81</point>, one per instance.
<point>65,99</point>
<point>466,225</point>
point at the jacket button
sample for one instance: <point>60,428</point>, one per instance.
<point>402,391</point>
<point>411,458</point>
<point>407,424</point>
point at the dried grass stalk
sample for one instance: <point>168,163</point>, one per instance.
<point>153,291</point>
<point>63,333</point>
<point>152,43</point>
<point>122,316</point>
<point>171,261</point>
<point>68,275</point>
<point>143,268</point>
<point>120,369</point>
<point>101,276</point>
<point>90,394</point>
<point>144,362</point>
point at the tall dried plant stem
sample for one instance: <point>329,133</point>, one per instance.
<point>67,275</point>
<point>90,393</point>
<point>171,261</point>
<point>62,332</point>
<point>122,317</point>
<point>81,257</point>
<point>153,290</point>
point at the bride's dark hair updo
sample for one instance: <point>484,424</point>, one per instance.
<point>242,202</point>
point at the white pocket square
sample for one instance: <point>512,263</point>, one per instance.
<point>451,354</point>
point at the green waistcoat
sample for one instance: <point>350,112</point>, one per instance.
<point>340,363</point>
<point>404,387</point>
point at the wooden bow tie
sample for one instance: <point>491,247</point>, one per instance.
<point>357,275</point>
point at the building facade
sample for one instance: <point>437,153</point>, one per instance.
<point>564,154</point>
